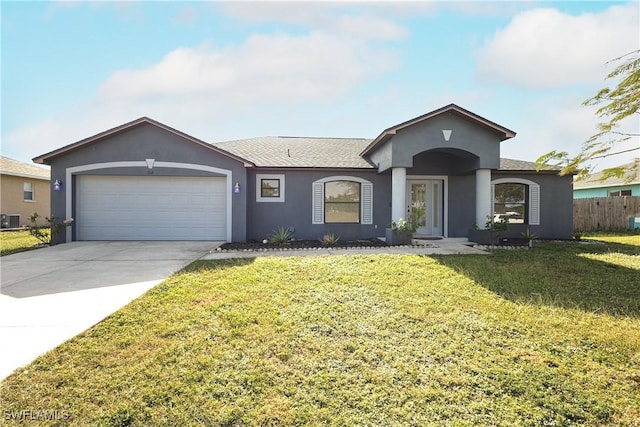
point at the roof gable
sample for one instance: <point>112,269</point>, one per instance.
<point>46,158</point>
<point>388,133</point>
<point>13,167</point>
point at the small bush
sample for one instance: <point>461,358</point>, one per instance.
<point>54,228</point>
<point>330,239</point>
<point>280,236</point>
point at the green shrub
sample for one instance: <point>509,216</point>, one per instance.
<point>54,228</point>
<point>280,236</point>
<point>330,239</point>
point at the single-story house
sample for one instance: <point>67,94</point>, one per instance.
<point>25,190</point>
<point>595,186</point>
<point>147,181</point>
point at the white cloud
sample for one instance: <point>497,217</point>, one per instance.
<point>371,21</point>
<point>316,66</point>
<point>544,48</point>
<point>560,123</point>
<point>212,92</point>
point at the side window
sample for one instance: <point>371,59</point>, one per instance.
<point>28,192</point>
<point>269,188</point>
<point>517,199</point>
<point>620,193</point>
<point>510,201</point>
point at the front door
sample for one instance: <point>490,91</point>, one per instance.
<point>424,206</point>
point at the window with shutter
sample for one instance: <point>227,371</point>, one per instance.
<point>342,199</point>
<point>516,199</point>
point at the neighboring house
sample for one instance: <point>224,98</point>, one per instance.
<point>146,181</point>
<point>24,189</point>
<point>595,186</point>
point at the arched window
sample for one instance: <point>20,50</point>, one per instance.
<point>342,200</point>
<point>516,199</point>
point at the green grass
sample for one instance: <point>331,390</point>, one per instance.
<point>549,336</point>
<point>16,241</point>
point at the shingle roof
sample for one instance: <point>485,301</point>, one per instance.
<point>631,176</point>
<point>521,165</point>
<point>303,152</point>
<point>16,168</point>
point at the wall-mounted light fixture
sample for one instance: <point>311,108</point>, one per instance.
<point>236,188</point>
<point>150,163</point>
<point>57,185</point>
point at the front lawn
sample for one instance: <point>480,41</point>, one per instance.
<point>549,336</point>
<point>16,241</point>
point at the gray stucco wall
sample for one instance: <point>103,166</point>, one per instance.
<point>556,205</point>
<point>263,218</point>
<point>150,142</point>
<point>462,204</point>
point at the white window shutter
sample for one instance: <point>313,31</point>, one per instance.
<point>317,210</point>
<point>367,203</point>
<point>534,204</point>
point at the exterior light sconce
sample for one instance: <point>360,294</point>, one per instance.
<point>150,163</point>
<point>57,185</point>
<point>236,188</point>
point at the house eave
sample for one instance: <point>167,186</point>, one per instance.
<point>592,187</point>
<point>25,175</point>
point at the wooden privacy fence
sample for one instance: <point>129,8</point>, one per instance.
<point>605,213</point>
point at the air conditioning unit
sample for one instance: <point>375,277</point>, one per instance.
<point>9,221</point>
<point>14,221</point>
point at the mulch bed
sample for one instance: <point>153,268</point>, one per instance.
<point>302,244</point>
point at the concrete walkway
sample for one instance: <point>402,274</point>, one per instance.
<point>49,295</point>
<point>450,246</point>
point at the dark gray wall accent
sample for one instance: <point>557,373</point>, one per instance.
<point>556,205</point>
<point>462,204</point>
<point>150,142</point>
<point>467,136</point>
<point>263,218</point>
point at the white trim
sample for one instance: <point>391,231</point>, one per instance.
<point>366,198</point>
<point>259,178</point>
<point>534,196</point>
<point>398,193</point>
<point>484,202</point>
<point>143,164</point>
<point>445,197</point>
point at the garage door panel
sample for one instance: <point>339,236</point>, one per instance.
<point>150,208</point>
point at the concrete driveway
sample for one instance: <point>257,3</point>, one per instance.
<point>52,294</point>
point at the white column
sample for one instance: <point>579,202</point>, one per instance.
<point>483,196</point>
<point>398,193</point>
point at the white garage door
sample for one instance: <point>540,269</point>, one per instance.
<point>150,208</point>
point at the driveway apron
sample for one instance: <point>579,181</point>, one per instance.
<point>52,294</point>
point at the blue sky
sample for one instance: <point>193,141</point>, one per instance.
<point>230,70</point>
